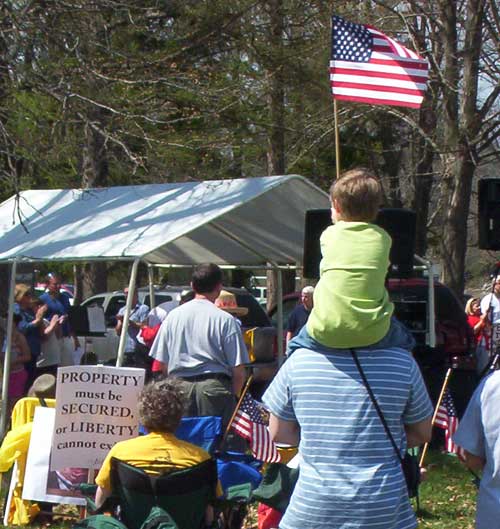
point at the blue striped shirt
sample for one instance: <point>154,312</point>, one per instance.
<point>349,474</point>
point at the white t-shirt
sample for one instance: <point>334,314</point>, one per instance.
<point>491,301</point>
<point>198,338</point>
<point>50,354</point>
<point>159,313</point>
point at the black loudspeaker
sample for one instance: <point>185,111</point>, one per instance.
<point>317,220</point>
<point>400,224</point>
<point>489,213</point>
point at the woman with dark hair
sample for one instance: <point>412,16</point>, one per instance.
<point>161,406</point>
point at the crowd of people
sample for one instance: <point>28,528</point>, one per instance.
<point>42,338</point>
<point>349,369</point>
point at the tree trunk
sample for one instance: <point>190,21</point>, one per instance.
<point>276,150</point>
<point>460,131</point>
<point>92,277</point>
<point>288,283</point>
<point>424,179</point>
<point>454,240</point>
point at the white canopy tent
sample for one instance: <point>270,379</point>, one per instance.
<point>251,221</point>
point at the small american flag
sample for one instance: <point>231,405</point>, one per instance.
<point>251,423</point>
<point>446,418</point>
<point>370,67</point>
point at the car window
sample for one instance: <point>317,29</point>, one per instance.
<point>115,304</point>
<point>96,301</point>
<point>159,299</point>
<point>410,305</point>
<point>256,316</point>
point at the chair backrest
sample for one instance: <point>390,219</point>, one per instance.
<point>184,494</point>
<point>201,431</point>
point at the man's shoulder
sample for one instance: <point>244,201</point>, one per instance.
<point>299,309</point>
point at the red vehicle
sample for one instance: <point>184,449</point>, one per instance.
<point>454,343</point>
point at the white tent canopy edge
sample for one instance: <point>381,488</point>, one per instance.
<point>251,221</point>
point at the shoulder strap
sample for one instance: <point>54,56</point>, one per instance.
<point>375,403</point>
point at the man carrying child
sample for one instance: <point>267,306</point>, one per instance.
<point>349,473</point>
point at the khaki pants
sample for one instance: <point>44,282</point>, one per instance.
<point>212,396</point>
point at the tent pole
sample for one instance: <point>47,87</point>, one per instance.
<point>279,310</point>
<point>279,287</point>
<point>128,310</point>
<point>8,351</point>
<point>152,302</point>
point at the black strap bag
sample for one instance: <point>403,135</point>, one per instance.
<point>409,463</point>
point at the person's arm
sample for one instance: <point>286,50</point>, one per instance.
<point>51,326</point>
<point>119,324</point>
<point>286,432</point>
<point>481,324</point>
<point>473,462</point>
<point>101,496</point>
<point>418,433</point>
<point>288,337</point>
<point>238,379</point>
<point>24,353</point>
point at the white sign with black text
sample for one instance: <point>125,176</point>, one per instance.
<point>96,406</point>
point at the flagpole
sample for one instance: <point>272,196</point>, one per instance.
<point>441,395</point>
<point>337,140</point>
<point>243,393</point>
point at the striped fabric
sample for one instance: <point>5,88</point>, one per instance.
<point>370,67</point>
<point>349,474</point>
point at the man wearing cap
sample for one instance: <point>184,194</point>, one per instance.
<point>300,314</point>
<point>203,346</point>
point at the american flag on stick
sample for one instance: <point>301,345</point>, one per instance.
<point>446,418</point>
<point>250,422</point>
<point>370,67</point>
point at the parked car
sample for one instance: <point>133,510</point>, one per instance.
<point>106,347</point>
<point>454,340</point>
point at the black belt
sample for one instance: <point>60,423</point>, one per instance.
<point>206,376</point>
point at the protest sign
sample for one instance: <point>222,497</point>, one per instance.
<point>96,406</point>
<point>39,483</point>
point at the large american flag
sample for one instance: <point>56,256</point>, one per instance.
<point>370,67</point>
<point>250,422</point>
<point>446,418</point>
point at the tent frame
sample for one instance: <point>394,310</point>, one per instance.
<point>128,309</point>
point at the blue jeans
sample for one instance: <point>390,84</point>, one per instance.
<point>397,336</point>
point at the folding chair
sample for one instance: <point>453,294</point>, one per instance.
<point>204,432</point>
<point>184,494</point>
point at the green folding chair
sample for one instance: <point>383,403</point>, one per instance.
<point>183,494</point>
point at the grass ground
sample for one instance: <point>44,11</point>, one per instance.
<point>447,498</point>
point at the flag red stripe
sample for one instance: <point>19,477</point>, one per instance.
<point>382,75</point>
<point>373,101</point>
<point>377,88</point>
<point>415,64</point>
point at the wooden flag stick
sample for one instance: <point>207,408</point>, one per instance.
<point>441,395</point>
<point>337,140</point>
<point>243,393</point>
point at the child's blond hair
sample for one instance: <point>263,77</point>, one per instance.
<point>358,195</point>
